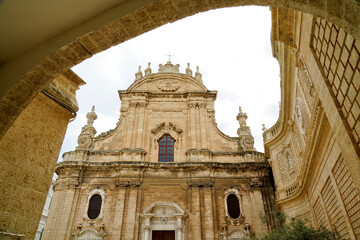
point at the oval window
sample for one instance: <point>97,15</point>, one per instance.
<point>94,206</point>
<point>233,206</point>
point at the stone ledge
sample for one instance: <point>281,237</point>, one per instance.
<point>243,165</point>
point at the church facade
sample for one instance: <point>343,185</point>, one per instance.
<point>165,172</point>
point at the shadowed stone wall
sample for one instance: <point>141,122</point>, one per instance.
<point>28,156</point>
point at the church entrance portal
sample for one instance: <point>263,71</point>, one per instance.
<point>163,221</point>
<point>163,235</point>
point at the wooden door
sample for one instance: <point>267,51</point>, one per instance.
<point>163,235</point>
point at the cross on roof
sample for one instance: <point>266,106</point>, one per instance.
<point>169,55</point>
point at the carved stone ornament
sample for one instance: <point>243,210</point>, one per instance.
<point>248,142</point>
<point>84,141</point>
<point>237,234</point>
<point>168,85</point>
<point>90,233</point>
<point>127,183</point>
<point>165,128</point>
<point>256,183</point>
<point>206,184</point>
<point>88,131</point>
<point>244,132</point>
<point>164,220</point>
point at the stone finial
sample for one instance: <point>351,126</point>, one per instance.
<point>88,131</point>
<point>139,74</point>
<point>246,139</point>
<point>91,116</point>
<point>148,70</point>
<point>188,70</point>
<point>169,68</point>
<point>241,117</point>
<point>198,75</point>
<point>263,127</point>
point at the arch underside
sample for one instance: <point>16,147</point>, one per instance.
<point>27,74</point>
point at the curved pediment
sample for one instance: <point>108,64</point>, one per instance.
<point>170,205</point>
<point>167,83</point>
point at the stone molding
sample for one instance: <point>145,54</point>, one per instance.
<point>133,183</point>
<point>242,166</point>
<point>8,235</point>
<point>197,105</point>
<point>201,184</point>
<point>249,156</point>
<point>138,105</point>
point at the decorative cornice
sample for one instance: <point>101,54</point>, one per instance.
<point>256,155</point>
<point>119,183</point>
<point>201,184</point>
<point>166,126</point>
<point>242,166</point>
<point>103,134</point>
<point>138,105</point>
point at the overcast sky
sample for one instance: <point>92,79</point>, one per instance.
<point>232,48</point>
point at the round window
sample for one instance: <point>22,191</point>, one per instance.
<point>233,206</point>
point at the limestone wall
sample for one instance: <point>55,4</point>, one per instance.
<point>28,156</point>
<point>314,148</point>
<point>129,191</point>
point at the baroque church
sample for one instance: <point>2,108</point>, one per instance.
<point>165,172</point>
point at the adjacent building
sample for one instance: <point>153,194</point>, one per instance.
<point>314,147</point>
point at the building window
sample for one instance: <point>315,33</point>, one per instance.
<point>166,148</point>
<point>94,206</point>
<point>233,206</point>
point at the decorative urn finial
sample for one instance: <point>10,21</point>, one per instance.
<point>244,132</point>
<point>91,116</point>
<point>88,131</point>
<point>241,117</point>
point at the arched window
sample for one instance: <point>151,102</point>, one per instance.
<point>94,206</point>
<point>233,206</point>
<point>166,148</point>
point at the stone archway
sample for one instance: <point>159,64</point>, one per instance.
<point>24,76</point>
<point>163,216</point>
